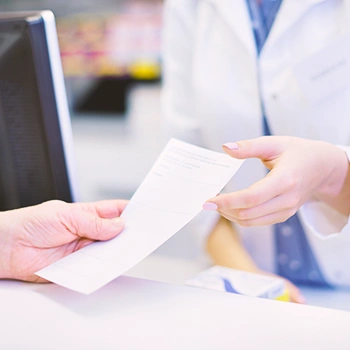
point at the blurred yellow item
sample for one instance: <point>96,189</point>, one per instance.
<point>284,297</point>
<point>145,70</point>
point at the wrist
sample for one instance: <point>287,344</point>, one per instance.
<point>333,184</point>
<point>335,191</point>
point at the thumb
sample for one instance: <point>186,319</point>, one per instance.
<point>90,225</point>
<point>264,148</point>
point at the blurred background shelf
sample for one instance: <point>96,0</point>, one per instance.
<point>106,47</point>
<point>111,58</point>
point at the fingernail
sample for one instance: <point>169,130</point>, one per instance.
<point>231,146</point>
<point>119,221</point>
<point>210,206</point>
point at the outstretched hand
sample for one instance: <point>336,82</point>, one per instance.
<point>300,169</point>
<point>34,237</point>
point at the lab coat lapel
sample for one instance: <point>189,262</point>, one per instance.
<point>236,15</point>
<point>289,13</point>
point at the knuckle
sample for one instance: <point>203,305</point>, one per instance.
<point>241,214</point>
<point>290,181</point>
<point>290,212</point>
<point>293,202</point>
<point>228,202</point>
<point>225,202</point>
<point>252,200</point>
<point>279,220</point>
<point>245,223</point>
<point>286,215</point>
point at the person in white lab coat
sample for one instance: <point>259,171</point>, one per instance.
<point>233,71</point>
<point>32,238</point>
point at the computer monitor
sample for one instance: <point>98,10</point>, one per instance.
<point>36,155</point>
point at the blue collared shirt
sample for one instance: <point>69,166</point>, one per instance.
<point>294,256</point>
<point>263,14</point>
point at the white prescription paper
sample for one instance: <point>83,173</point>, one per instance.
<point>183,177</point>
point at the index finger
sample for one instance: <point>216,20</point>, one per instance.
<point>260,192</point>
<point>264,147</point>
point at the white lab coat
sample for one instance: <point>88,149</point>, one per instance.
<point>214,84</point>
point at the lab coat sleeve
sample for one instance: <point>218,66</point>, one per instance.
<point>179,119</point>
<point>324,221</point>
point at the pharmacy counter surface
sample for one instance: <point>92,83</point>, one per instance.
<point>132,313</point>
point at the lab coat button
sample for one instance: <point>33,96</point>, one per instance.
<point>294,265</point>
<point>286,230</point>
<point>255,24</point>
<point>282,259</point>
<point>274,96</point>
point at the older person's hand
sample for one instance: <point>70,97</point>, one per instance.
<point>300,169</point>
<point>34,237</point>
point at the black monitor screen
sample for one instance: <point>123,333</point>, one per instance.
<point>35,134</point>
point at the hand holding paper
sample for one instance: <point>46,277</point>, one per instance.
<point>36,236</point>
<point>181,180</point>
<point>294,179</point>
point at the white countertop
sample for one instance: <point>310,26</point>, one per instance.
<point>132,313</point>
